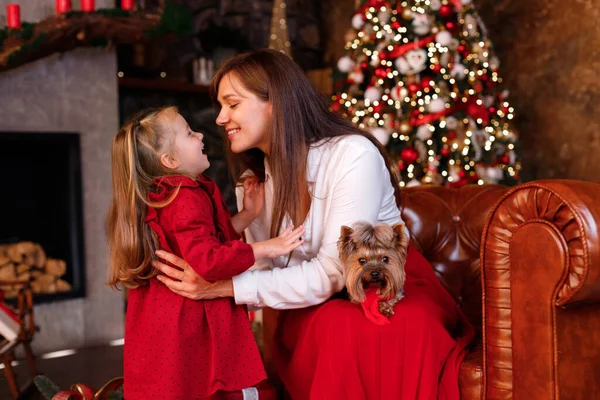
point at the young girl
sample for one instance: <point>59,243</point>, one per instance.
<point>177,348</point>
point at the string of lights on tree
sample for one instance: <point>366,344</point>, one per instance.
<point>422,77</point>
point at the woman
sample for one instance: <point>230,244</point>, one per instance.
<point>322,172</point>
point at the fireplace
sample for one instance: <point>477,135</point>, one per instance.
<point>41,206</point>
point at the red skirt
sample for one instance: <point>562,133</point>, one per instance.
<point>332,351</point>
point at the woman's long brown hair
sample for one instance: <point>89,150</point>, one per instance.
<point>301,117</point>
<point>135,164</point>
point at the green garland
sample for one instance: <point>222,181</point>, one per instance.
<point>175,20</point>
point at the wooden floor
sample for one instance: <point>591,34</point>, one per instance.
<point>92,366</point>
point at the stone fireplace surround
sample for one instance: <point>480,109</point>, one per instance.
<point>73,92</point>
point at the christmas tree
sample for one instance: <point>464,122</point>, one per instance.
<point>421,76</point>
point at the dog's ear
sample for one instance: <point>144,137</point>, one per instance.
<point>400,236</point>
<point>345,243</point>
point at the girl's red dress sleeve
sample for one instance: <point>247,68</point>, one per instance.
<point>192,218</point>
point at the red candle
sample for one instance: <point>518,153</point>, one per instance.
<point>63,6</point>
<point>127,4</point>
<point>13,16</point>
<point>87,5</point>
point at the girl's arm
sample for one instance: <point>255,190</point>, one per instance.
<point>190,217</point>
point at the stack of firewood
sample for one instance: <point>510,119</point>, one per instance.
<point>27,261</point>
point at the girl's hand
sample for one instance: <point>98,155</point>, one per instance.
<point>254,196</point>
<point>186,282</point>
<point>283,244</point>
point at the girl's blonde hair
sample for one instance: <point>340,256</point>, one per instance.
<point>136,163</point>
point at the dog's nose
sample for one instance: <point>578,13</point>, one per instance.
<point>374,274</point>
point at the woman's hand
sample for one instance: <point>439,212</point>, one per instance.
<point>186,282</point>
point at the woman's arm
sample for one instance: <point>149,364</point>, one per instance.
<point>358,186</point>
<point>357,189</point>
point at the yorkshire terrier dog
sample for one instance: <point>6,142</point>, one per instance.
<point>373,257</point>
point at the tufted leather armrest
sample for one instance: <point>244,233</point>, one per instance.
<point>541,279</point>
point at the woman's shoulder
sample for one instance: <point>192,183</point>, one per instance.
<point>353,143</point>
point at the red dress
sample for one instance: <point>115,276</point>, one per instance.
<point>332,351</point>
<point>177,348</point>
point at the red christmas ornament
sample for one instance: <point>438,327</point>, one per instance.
<point>462,173</point>
<point>427,82</point>
<point>445,152</point>
<point>409,155</point>
<point>451,135</point>
<point>451,26</point>
<point>413,88</point>
<point>363,65</point>
<point>380,72</point>
<point>478,112</point>
<point>437,68</point>
<point>446,11</point>
<point>395,25</point>
<point>378,108</point>
<point>335,106</point>
<point>492,110</point>
<point>484,77</point>
<point>461,48</point>
<point>505,160</point>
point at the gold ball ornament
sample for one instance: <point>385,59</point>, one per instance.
<point>404,127</point>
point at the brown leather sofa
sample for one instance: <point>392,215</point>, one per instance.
<point>524,265</point>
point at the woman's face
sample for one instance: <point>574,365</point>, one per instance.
<point>244,116</point>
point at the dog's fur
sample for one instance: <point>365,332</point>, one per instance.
<point>373,256</point>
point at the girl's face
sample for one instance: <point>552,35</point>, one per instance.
<point>244,116</point>
<point>186,154</point>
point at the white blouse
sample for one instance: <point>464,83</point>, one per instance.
<point>349,183</point>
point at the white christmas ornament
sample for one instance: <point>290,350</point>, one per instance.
<point>345,64</point>
<point>494,63</point>
<point>417,59</point>
<point>423,132</point>
<point>451,123</point>
<point>437,105</point>
<point>398,92</point>
<point>402,65</point>
<point>384,16</point>
<point>356,77</point>
<point>357,21</point>
<point>488,101</point>
<point>471,25</point>
<point>435,4</point>
<point>373,93</point>
<point>381,135</point>
<point>421,24</point>
<point>494,174</point>
<point>375,61</point>
<point>458,71</point>
<point>444,38</point>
